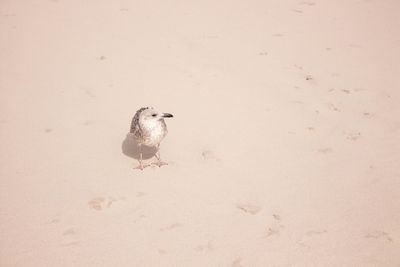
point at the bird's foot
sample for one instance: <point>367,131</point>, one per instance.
<point>142,166</point>
<point>160,163</point>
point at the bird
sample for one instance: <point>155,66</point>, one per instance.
<point>148,128</point>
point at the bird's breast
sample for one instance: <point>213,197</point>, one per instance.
<point>155,133</point>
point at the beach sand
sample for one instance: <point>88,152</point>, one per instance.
<point>284,148</point>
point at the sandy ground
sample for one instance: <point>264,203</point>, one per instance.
<point>284,149</point>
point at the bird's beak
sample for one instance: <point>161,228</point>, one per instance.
<point>167,115</point>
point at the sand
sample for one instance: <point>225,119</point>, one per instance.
<point>283,151</point>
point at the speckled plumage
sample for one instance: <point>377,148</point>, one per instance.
<point>135,126</point>
<point>148,128</point>
<point>135,120</point>
<point>148,132</point>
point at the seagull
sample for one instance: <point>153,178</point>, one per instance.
<point>148,128</point>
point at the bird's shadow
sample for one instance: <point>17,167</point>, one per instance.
<point>131,149</point>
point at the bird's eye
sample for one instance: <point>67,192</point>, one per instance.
<point>154,115</point>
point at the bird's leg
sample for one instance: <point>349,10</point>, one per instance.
<point>141,165</point>
<point>159,163</point>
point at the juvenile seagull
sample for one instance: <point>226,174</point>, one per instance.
<point>149,128</point>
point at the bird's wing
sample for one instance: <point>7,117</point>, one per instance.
<point>135,121</point>
<point>135,125</point>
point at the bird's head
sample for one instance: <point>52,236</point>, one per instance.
<point>150,114</point>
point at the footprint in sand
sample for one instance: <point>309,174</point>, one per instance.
<point>276,229</point>
<point>311,233</point>
<point>140,194</point>
<point>367,114</point>
<point>353,136</point>
<point>307,3</point>
<point>237,262</point>
<point>207,247</point>
<point>55,221</point>
<point>69,236</point>
<point>378,235</point>
<point>272,232</point>
<point>333,107</point>
<point>87,123</point>
<point>209,155</point>
<point>89,92</point>
<point>161,251</point>
<point>96,203</point>
<point>276,217</point>
<point>325,150</point>
<point>101,203</point>
<point>171,227</point>
<point>298,67</point>
<point>249,208</point>
<point>69,231</point>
